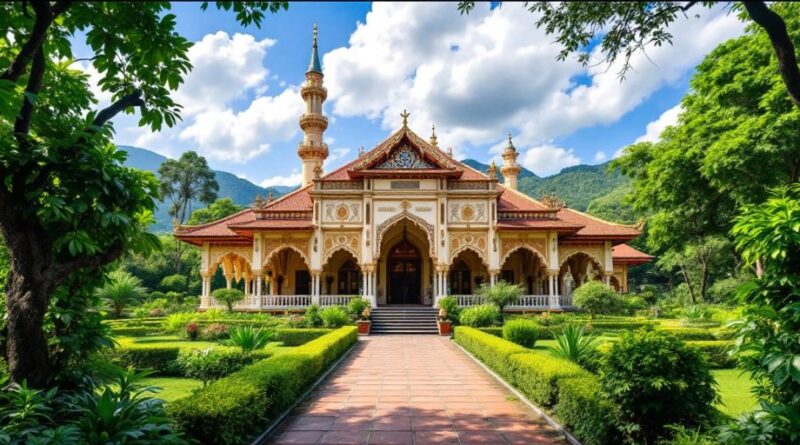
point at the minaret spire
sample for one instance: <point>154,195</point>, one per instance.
<point>313,150</point>
<point>510,168</point>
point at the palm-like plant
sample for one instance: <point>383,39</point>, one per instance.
<point>248,338</point>
<point>501,294</point>
<point>577,346</point>
<point>121,291</point>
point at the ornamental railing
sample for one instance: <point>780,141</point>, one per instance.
<point>336,300</point>
<point>524,302</point>
<point>285,301</point>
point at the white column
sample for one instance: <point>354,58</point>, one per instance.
<point>228,281</point>
<point>372,295</point>
<point>205,299</point>
<point>553,300</point>
<point>607,280</point>
<point>257,296</point>
<point>315,288</point>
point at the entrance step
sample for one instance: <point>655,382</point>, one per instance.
<point>404,320</point>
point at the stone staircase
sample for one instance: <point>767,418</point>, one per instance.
<point>404,320</point>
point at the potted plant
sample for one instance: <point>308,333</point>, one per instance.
<point>444,324</point>
<point>364,323</point>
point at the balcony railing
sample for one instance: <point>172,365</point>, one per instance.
<point>524,302</point>
<point>287,302</point>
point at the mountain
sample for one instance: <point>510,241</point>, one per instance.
<point>241,191</point>
<point>524,173</point>
<point>577,186</point>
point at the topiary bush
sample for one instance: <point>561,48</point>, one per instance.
<point>450,305</point>
<point>297,337</point>
<point>718,353</point>
<point>478,316</point>
<point>334,317</point>
<point>522,332</point>
<point>313,318</point>
<point>212,363</point>
<point>214,331</point>
<point>228,296</point>
<point>652,380</point>
<point>160,359</point>
<point>585,412</point>
<point>596,298</point>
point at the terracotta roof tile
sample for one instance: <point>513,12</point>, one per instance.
<point>512,200</point>
<point>624,253</point>
<point>274,224</point>
<point>296,201</point>
<point>541,223</point>
<point>217,228</point>
<point>595,226</point>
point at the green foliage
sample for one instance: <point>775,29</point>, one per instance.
<point>718,353</point>
<point>121,290</point>
<point>596,298</point>
<point>522,332</point>
<point>173,283</point>
<point>583,410</point>
<point>653,380</point>
<point>228,296</point>
<point>695,314</point>
<point>501,294</point>
<point>313,318</point>
<point>480,315</point>
<point>235,408</point>
<point>450,304</point>
<point>297,337</point>
<point>248,338</point>
<point>334,317</point>
<point>212,363</point>
<point>141,357</point>
<point>186,179</point>
<point>218,209</point>
<point>214,331</point>
<point>115,412</point>
<point>699,262</point>
<point>769,334</point>
<point>576,346</point>
<point>683,436</point>
<point>724,290</point>
<point>356,307</point>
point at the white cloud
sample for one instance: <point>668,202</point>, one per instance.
<point>545,160</point>
<point>600,156</point>
<point>335,158</point>
<point>290,180</point>
<point>504,75</point>
<point>655,128</point>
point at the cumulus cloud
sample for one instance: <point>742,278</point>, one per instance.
<point>503,76</point>
<point>290,180</point>
<point>655,128</point>
<point>600,156</point>
<point>546,160</point>
<point>335,157</point>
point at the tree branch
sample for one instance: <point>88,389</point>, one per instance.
<point>22,125</point>
<point>133,99</point>
<point>63,270</point>
<point>775,27</point>
<point>44,18</point>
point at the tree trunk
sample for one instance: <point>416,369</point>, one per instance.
<point>686,280</point>
<point>26,346</point>
<point>703,282</point>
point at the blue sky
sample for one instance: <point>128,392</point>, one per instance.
<point>477,77</point>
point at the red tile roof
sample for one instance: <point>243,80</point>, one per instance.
<point>296,201</point>
<point>512,200</point>
<point>624,253</point>
<point>596,227</point>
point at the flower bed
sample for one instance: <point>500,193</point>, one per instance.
<point>237,407</point>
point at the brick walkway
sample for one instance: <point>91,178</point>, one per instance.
<point>407,389</point>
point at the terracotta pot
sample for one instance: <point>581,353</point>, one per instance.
<point>444,327</point>
<point>363,327</point>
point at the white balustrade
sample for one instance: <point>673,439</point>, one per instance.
<point>531,301</point>
<point>285,301</point>
<point>336,300</point>
<point>468,300</point>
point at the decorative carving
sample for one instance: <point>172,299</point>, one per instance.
<point>404,158</point>
<point>342,212</point>
<point>467,212</point>
<point>468,185</point>
<point>595,251</point>
<point>326,184</point>
<point>537,245</point>
<point>475,241</point>
<point>216,253</point>
<point>341,240</point>
<point>424,225</point>
<point>274,245</point>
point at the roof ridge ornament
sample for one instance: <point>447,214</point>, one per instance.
<point>434,140</point>
<point>405,115</point>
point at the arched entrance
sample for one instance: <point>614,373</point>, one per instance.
<point>405,274</point>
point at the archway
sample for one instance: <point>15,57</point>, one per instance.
<point>341,274</point>
<point>576,270</point>
<point>288,273</point>
<point>527,268</point>
<point>404,265</point>
<point>467,272</point>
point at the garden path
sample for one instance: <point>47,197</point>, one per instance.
<point>412,389</point>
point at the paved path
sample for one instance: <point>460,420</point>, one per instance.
<point>407,389</point>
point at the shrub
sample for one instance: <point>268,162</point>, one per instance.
<point>521,332</point>
<point>161,359</point>
<point>480,315</point>
<point>121,290</point>
<point>334,317</point>
<point>297,337</point>
<point>212,363</point>
<point>174,283</point>
<point>496,331</point>
<point>501,294</point>
<point>214,331</point>
<point>718,353</point>
<point>228,296</point>
<point>450,305</point>
<point>175,323</point>
<point>356,307</point>
<point>576,346</point>
<point>192,331</point>
<point>653,380</point>
<point>695,314</point>
<point>175,297</point>
<point>135,331</point>
<point>582,409</point>
<point>691,333</point>
<point>248,338</point>
<point>233,409</point>
<point>596,298</point>
<point>313,318</point>
<point>155,295</point>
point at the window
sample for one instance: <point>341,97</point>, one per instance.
<point>460,277</point>
<point>349,279</point>
<point>507,276</point>
<point>302,283</point>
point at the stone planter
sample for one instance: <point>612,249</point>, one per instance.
<point>445,327</point>
<point>363,327</point>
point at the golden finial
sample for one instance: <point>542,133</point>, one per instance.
<point>433,136</point>
<point>270,197</point>
<point>405,115</point>
<point>259,202</point>
<point>492,171</point>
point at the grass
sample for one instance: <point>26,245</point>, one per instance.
<point>173,388</point>
<point>734,389</point>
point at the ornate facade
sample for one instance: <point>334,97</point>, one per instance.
<point>405,223</point>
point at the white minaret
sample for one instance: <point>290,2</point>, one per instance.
<point>510,168</point>
<point>312,150</point>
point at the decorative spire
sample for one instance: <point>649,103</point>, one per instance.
<point>450,151</point>
<point>360,151</point>
<point>510,169</point>
<point>314,66</point>
<point>510,143</point>
<point>270,197</point>
<point>405,115</point>
<point>433,136</point>
<point>492,172</point>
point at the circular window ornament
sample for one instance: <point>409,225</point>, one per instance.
<point>467,213</point>
<point>342,213</point>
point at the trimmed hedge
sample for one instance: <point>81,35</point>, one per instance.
<point>717,352</point>
<point>581,409</point>
<point>237,407</point>
<point>158,358</point>
<point>297,337</point>
<point>136,331</point>
<point>536,375</point>
<point>691,333</point>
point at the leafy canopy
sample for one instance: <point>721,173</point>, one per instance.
<point>218,209</point>
<point>122,290</point>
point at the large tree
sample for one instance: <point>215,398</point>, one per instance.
<point>216,210</point>
<point>625,28</point>
<point>67,204</point>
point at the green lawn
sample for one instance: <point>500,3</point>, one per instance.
<point>734,389</point>
<point>173,388</point>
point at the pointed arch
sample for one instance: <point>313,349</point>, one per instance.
<point>591,256</point>
<point>463,249</point>
<point>341,248</point>
<point>527,247</point>
<point>268,256</point>
<point>416,220</point>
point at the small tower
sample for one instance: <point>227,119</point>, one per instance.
<point>510,168</point>
<point>433,139</point>
<point>312,150</point>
